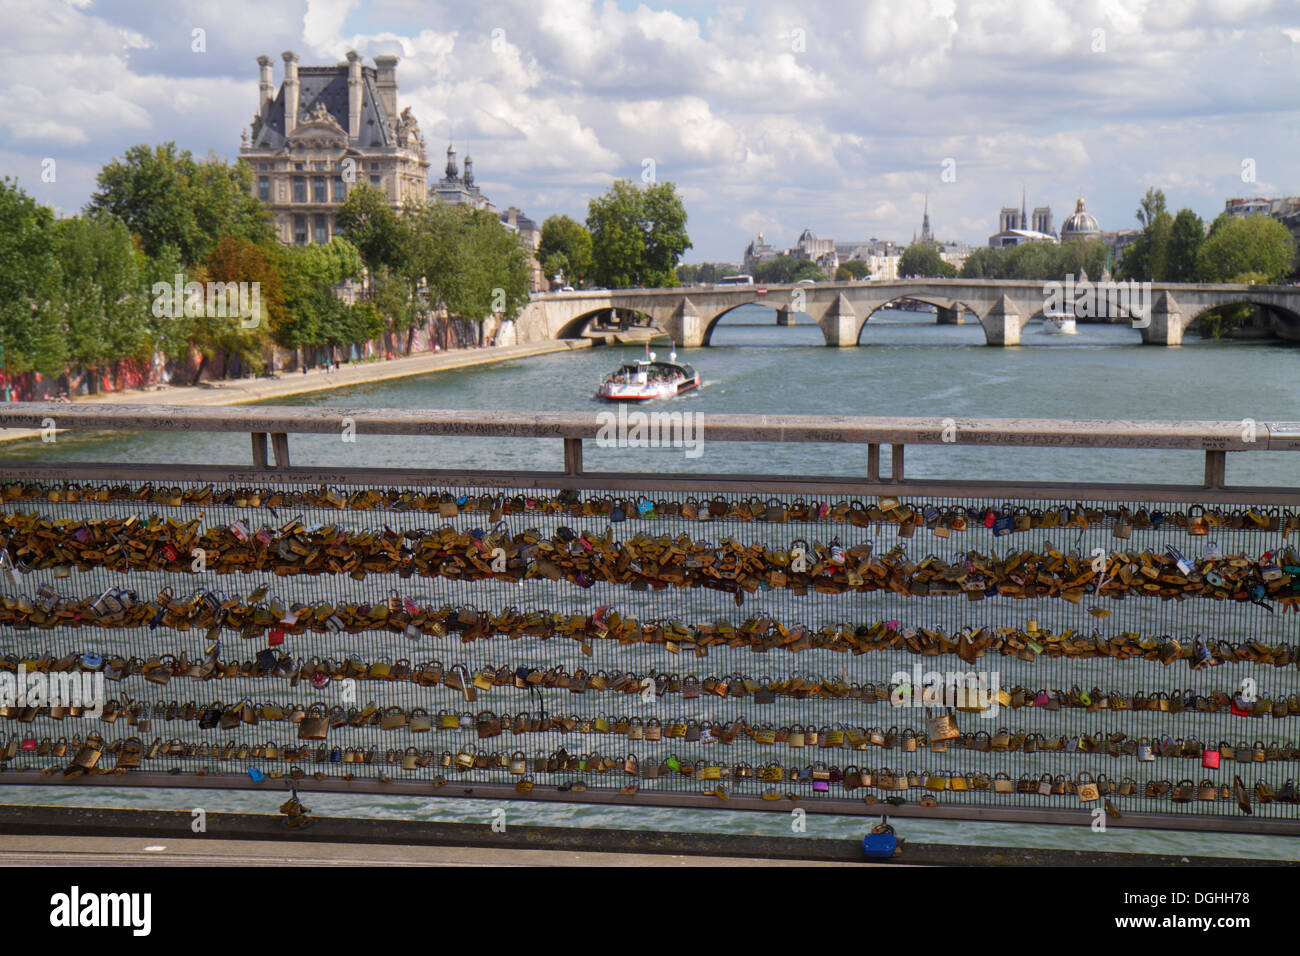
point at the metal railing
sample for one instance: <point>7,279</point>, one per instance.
<point>543,621</point>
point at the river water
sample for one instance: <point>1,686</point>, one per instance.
<point>907,366</point>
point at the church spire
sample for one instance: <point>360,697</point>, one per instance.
<point>926,234</point>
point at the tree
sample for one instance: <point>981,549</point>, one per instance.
<point>472,266</point>
<point>1237,246</point>
<point>99,299</point>
<point>1078,257</point>
<point>368,221</point>
<point>987,262</point>
<point>922,260</point>
<point>778,270</point>
<point>314,316</point>
<point>222,327</point>
<point>1152,204</point>
<point>565,249</point>
<point>1147,258</point>
<point>852,271</point>
<point>167,198</point>
<point>30,336</point>
<point>1185,237</point>
<point>809,270</point>
<point>637,235</point>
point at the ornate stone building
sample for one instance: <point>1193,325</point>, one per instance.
<point>457,188</point>
<point>326,129</point>
<point>1081,225</point>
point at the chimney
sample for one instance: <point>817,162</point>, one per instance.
<point>264,84</point>
<point>290,90</point>
<point>386,84</point>
<point>354,95</point>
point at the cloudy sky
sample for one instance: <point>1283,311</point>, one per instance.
<point>769,115</point>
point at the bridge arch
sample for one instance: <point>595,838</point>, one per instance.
<point>578,326</point>
<point>1287,320</point>
<point>712,323</point>
<point>939,302</point>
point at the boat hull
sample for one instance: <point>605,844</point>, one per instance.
<point>634,393</point>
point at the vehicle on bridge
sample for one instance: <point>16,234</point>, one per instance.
<point>736,280</point>
<point>647,379</point>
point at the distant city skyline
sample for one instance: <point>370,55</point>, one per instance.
<point>770,117</point>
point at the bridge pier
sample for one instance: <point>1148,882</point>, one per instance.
<point>952,316</point>
<point>840,324</point>
<point>1002,323</point>
<point>1164,323</point>
<point>685,325</point>
<point>785,315</point>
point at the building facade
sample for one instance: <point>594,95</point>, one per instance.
<point>1015,226</point>
<point>326,129</point>
<point>457,188</point>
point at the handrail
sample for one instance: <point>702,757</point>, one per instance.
<point>1218,436</point>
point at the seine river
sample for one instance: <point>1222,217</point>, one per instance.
<point>907,366</point>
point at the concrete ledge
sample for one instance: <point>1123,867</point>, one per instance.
<point>167,825</point>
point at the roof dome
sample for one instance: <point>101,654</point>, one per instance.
<point>1081,225</point>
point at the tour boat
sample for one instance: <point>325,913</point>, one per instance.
<point>647,379</point>
<point>1059,323</point>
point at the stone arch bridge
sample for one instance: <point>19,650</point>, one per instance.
<point>840,309</point>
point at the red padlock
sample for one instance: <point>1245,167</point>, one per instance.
<point>989,517</point>
<point>29,743</point>
<point>276,636</point>
<point>319,680</point>
<point>1210,759</point>
<point>169,552</point>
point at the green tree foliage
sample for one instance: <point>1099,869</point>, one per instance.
<point>852,270</point>
<point>166,197</point>
<point>472,267</point>
<point>1147,257</point>
<point>637,235</point>
<point>100,301</point>
<point>706,273</point>
<point>313,315</point>
<point>30,336</point>
<point>1186,235</point>
<point>1238,246</point>
<point>787,269</point>
<point>368,221</point>
<point>922,259</point>
<point>1037,260</point>
<point>986,262</point>
<point>1152,204</point>
<point>565,249</point>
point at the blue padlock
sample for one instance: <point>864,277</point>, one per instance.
<point>256,775</point>
<point>336,755</point>
<point>881,845</point>
<point>1003,524</point>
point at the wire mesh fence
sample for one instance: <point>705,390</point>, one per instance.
<point>1040,654</point>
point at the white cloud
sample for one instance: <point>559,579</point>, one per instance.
<point>841,127</point>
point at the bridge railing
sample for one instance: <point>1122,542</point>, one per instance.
<point>856,643</point>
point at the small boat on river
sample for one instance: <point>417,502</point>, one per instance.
<point>647,379</point>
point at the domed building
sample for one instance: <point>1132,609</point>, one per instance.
<point>1081,225</point>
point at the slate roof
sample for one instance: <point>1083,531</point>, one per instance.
<point>329,85</point>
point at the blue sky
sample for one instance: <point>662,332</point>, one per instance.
<point>769,116</point>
